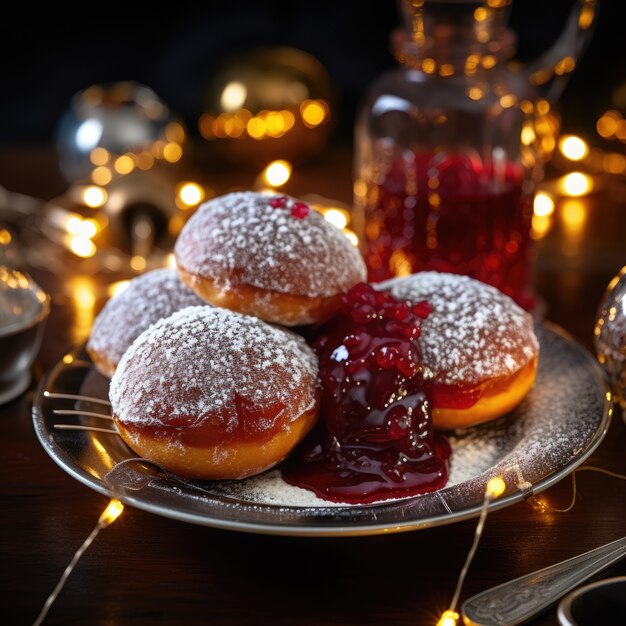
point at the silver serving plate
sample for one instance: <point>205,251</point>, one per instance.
<point>555,429</point>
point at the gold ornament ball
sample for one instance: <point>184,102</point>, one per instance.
<point>268,103</point>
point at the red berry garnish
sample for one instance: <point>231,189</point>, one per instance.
<point>386,357</point>
<point>300,210</point>
<point>278,202</point>
<point>422,309</point>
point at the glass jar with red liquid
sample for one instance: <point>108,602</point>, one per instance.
<point>449,148</point>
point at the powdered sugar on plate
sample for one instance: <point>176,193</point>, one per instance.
<point>549,429</point>
<point>562,420</point>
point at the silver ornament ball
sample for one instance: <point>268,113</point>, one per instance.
<point>610,335</point>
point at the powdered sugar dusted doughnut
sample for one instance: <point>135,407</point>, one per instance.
<point>212,394</point>
<point>479,345</point>
<point>148,298</point>
<point>269,256</point>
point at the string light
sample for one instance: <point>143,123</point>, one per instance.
<point>241,123</point>
<point>494,489</point>
<point>138,263</point>
<point>109,515</point>
<point>94,197</point>
<point>352,236</point>
<point>99,156</point>
<point>101,175</point>
<point>573,148</point>
<point>543,205</point>
<point>124,165</point>
<point>277,173</point>
<point>337,217</point>
<point>448,618</point>
<point>115,289</point>
<point>82,246</point>
<point>313,112</point>
<point>172,152</point>
<point>190,194</point>
<point>576,184</point>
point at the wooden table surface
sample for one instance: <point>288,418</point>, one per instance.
<point>147,569</point>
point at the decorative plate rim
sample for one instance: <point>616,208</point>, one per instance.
<point>66,462</point>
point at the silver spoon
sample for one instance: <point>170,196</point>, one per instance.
<point>517,601</point>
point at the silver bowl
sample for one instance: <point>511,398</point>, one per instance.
<point>24,308</point>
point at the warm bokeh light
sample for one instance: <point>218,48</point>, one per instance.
<point>614,163</point>
<point>313,113</point>
<point>608,123</point>
<point>115,289</point>
<point>170,261</point>
<point>172,152</point>
<point>337,217</point>
<point>540,226</point>
<point>175,132</point>
<point>277,173</point>
<point>145,160</point>
<point>256,128</point>
<point>190,194</point>
<point>94,197</point>
<point>507,100</point>
<point>5,237</point>
<point>573,148</point>
<point>82,246</point>
<point>543,204</point>
<point>475,93</point>
<point>124,164</point>
<point>234,96</point>
<point>352,236</point>
<point>99,156</point>
<point>101,175</point>
<point>528,134</point>
<point>576,184</point>
<point>82,293</point>
<point>138,263</point>
<point>573,214</point>
<point>448,618</point>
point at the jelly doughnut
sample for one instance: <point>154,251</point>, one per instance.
<point>268,256</point>
<point>211,394</point>
<point>147,299</point>
<point>478,344</point>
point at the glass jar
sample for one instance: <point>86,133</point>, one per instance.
<point>449,150</point>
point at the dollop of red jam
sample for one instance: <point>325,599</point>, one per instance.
<point>375,439</point>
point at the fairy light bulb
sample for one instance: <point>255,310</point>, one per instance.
<point>108,516</point>
<point>543,204</point>
<point>448,618</point>
<point>190,194</point>
<point>94,197</point>
<point>111,513</point>
<point>573,148</point>
<point>495,487</point>
<point>277,173</point>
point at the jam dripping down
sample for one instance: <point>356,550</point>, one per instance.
<point>375,439</point>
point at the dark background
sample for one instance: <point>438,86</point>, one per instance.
<point>43,62</point>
